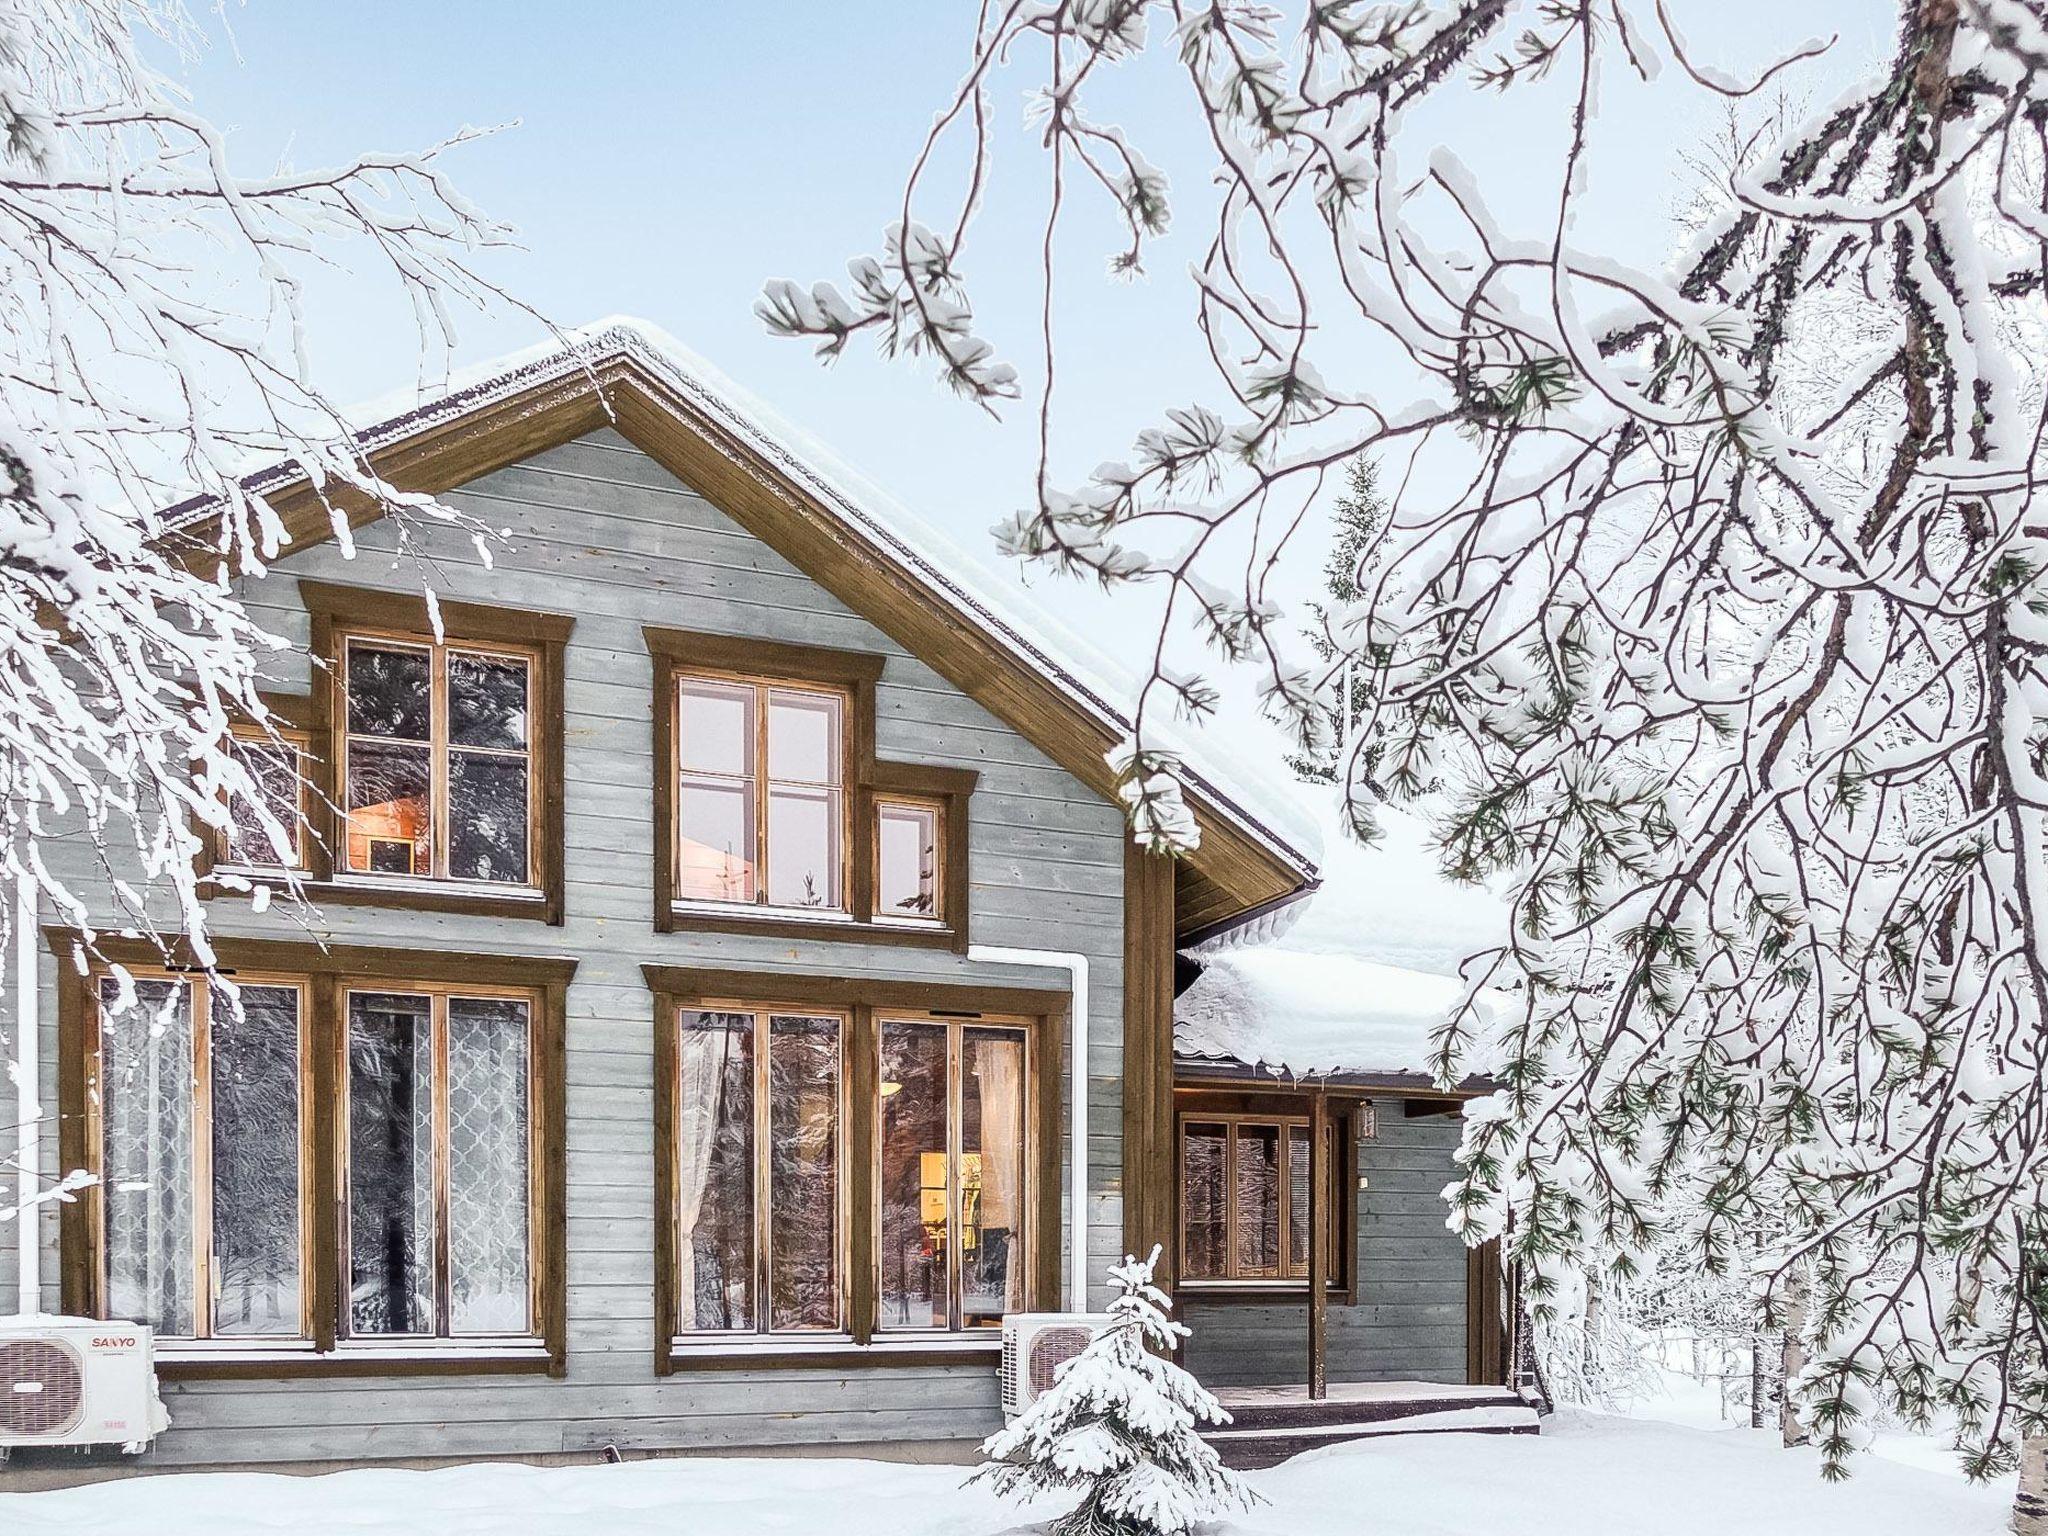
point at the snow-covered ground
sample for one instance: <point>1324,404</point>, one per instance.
<point>1584,1476</point>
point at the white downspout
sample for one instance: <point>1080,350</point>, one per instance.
<point>1076,967</point>
<point>28,1108</point>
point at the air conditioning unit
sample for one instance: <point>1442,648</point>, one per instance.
<point>1035,1346</point>
<point>75,1381</point>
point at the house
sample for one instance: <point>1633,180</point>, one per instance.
<point>727,989</point>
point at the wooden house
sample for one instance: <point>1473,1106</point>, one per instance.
<point>725,987</point>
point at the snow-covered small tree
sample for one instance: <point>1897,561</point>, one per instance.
<point>1120,1422</point>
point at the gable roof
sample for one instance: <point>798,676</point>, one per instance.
<point>1258,847</point>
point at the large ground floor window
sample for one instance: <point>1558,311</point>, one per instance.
<point>300,1160</point>
<point>849,1160</point>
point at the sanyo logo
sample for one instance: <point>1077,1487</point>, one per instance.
<point>114,1341</point>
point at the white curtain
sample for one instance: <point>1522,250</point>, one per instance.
<point>999,1074</point>
<point>705,1053</point>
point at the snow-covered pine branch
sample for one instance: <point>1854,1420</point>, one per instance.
<point>1121,1422</point>
<point>157,350</point>
<point>1728,657</point>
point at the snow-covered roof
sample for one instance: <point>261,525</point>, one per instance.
<point>1366,970</point>
<point>1263,804</point>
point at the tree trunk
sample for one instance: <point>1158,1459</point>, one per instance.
<point>1758,1386</point>
<point>2030,1504</point>
<point>1589,1362</point>
<point>1793,1431</point>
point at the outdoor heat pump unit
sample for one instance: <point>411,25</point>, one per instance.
<point>1035,1346</point>
<point>77,1382</point>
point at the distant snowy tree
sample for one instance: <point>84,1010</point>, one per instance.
<point>1355,520</point>
<point>1727,657</point>
<point>1121,1422</point>
<point>157,348</point>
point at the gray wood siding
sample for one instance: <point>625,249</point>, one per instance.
<point>1409,1324</point>
<point>601,532</point>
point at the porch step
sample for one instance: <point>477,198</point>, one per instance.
<point>1270,1424</point>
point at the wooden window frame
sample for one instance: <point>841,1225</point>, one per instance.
<point>338,613</point>
<point>328,973</point>
<point>289,722</point>
<point>1285,1110</point>
<point>1042,1015</point>
<point>762,1239</point>
<point>679,654</point>
<point>439,995</point>
<point>956,1026</point>
<point>883,800</point>
<point>440,753</point>
<point>200,992</point>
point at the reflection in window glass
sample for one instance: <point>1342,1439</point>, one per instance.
<point>390,1164</point>
<point>916,1238</point>
<point>487,817</point>
<point>390,691</point>
<point>760,797</point>
<point>488,1243</point>
<point>906,859</point>
<point>991,1176</point>
<point>439,773</point>
<point>715,791</point>
<point>146,1153</point>
<point>275,768</point>
<point>390,814</point>
<point>803,1172</point>
<point>954,1189</point>
<point>758,1129</point>
<point>1297,1199</point>
<point>254,1052</point>
<point>1204,1217</point>
<point>715,1172</point>
<point>803,847</point>
<point>1258,1199</point>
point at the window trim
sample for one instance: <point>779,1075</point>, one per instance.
<point>680,653</point>
<point>1268,1109</point>
<point>327,973</point>
<point>1043,1015</point>
<point>336,612</point>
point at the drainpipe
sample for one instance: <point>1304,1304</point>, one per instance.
<point>1076,967</point>
<point>27,1085</point>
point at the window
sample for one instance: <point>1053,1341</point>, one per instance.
<point>437,761</point>
<point>908,860</point>
<point>438,1166</point>
<point>199,1156</point>
<point>758,1156</point>
<point>760,794</point>
<point>411,1102</point>
<point>952,1175</point>
<point>850,1169</point>
<point>772,813</point>
<point>1245,1198</point>
<point>268,830</point>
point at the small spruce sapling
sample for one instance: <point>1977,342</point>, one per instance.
<point>1120,1422</point>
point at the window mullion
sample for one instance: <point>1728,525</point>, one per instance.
<point>762,790</point>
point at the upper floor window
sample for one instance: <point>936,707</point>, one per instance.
<point>437,760</point>
<point>268,830</point>
<point>434,770</point>
<point>772,813</point>
<point>760,793</point>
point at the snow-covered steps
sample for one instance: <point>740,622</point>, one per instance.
<point>1269,1424</point>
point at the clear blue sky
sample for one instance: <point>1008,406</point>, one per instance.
<point>669,157</point>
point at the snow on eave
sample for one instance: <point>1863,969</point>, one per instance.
<point>1239,792</point>
<point>1308,1014</point>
